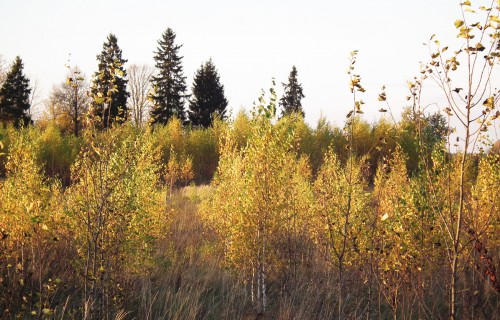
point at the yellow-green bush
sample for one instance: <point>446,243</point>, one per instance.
<point>260,204</point>
<point>202,146</point>
<point>57,152</point>
<point>35,238</point>
<point>116,206</point>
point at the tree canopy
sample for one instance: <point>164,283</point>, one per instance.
<point>207,98</point>
<point>109,87</point>
<point>169,84</point>
<point>15,95</point>
<point>292,97</point>
<point>69,100</point>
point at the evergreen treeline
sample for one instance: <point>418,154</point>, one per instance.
<point>165,88</point>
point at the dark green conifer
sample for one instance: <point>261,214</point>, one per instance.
<point>15,96</point>
<point>109,86</point>
<point>169,84</point>
<point>207,99</point>
<point>292,97</point>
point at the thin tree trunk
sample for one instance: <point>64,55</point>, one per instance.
<point>340,285</point>
<point>456,239</point>
<point>459,218</point>
<point>76,110</point>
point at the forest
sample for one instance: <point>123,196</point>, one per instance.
<point>121,203</point>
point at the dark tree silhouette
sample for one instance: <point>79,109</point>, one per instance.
<point>291,100</point>
<point>169,84</point>
<point>109,86</point>
<point>207,99</point>
<point>15,96</point>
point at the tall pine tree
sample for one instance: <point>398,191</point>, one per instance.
<point>109,86</point>
<point>291,100</point>
<point>169,84</point>
<point>15,96</point>
<point>207,99</point>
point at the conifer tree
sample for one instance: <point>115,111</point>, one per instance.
<point>207,97</point>
<point>14,96</point>
<point>109,87</point>
<point>169,84</point>
<point>291,100</point>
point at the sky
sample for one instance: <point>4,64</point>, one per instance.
<point>250,42</point>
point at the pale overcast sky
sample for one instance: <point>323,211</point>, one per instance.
<point>250,42</point>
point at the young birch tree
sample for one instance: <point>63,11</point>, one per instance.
<point>341,200</point>
<point>260,195</point>
<point>465,77</point>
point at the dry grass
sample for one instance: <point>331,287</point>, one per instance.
<point>191,282</point>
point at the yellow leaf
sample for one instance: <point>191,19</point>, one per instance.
<point>495,19</point>
<point>384,217</point>
<point>99,100</point>
<point>47,311</point>
<point>480,47</point>
<point>44,227</point>
<point>490,102</point>
<point>458,23</point>
<point>466,3</point>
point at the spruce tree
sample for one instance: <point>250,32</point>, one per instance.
<point>207,99</point>
<point>14,96</point>
<point>169,84</point>
<point>291,100</point>
<point>109,86</point>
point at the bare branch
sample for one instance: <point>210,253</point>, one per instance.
<point>139,86</point>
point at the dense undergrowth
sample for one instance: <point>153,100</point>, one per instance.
<point>292,226</point>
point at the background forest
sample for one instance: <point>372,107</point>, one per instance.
<point>120,203</point>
